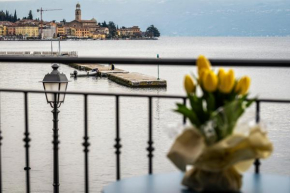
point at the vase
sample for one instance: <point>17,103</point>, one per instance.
<point>218,167</point>
<point>229,180</point>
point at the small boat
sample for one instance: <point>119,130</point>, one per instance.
<point>93,72</point>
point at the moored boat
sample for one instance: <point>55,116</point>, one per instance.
<point>93,72</point>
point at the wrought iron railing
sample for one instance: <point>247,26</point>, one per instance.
<point>118,146</point>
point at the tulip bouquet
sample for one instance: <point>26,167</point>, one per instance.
<point>216,146</point>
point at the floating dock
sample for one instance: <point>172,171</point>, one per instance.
<point>134,79</point>
<point>120,76</point>
<point>104,70</point>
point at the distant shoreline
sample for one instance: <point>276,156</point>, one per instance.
<point>79,39</point>
<point>204,37</point>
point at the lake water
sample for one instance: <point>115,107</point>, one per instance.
<point>266,83</point>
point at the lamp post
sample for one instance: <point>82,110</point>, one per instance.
<point>55,81</point>
<point>59,52</point>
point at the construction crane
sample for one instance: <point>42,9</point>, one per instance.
<point>41,22</point>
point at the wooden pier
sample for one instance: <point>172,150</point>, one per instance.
<point>38,53</point>
<point>134,79</point>
<point>120,76</point>
<point>104,70</point>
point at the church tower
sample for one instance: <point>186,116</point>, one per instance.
<point>78,12</point>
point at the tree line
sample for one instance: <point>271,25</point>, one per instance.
<point>6,16</point>
<point>151,31</point>
<point>111,26</point>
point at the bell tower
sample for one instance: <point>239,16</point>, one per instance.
<point>78,12</point>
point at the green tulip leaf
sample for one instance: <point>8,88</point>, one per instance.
<point>188,113</point>
<point>210,100</point>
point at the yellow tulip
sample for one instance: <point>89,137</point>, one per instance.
<point>202,63</point>
<point>210,81</point>
<point>243,85</point>
<point>202,73</point>
<point>189,84</point>
<point>226,80</point>
<point>221,73</point>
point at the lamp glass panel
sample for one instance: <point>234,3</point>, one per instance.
<point>62,89</point>
<point>51,87</point>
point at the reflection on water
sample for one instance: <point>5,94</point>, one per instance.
<point>266,82</point>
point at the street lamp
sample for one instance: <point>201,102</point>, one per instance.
<point>57,82</point>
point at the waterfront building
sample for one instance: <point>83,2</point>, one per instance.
<point>90,24</point>
<point>27,22</point>
<point>70,31</point>
<point>11,30</point>
<point>3,30</point>
<point>104,30</point>
<point>131,31</point>
<point>83,32</point>
<point>99,36</point>
<point>7,28</point>
<point>27,30</point>
<point>48,30</point>
<point>60,30</point>
<point>83,27</point>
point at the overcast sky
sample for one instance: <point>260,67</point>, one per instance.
<point>173,17</point>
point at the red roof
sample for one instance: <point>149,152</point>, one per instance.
<point>7,23</point>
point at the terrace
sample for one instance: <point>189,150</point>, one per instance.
<point>116,141</point>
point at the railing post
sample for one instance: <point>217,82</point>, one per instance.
<point>184,117</point>
<point>118,140</point>
<point>257,162</point>
<point>0,149</point>
<point>1,161</point>
<point>26,140</point>
<point>86,145</point>
<point>150,148</point>
<point>55,143</point>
